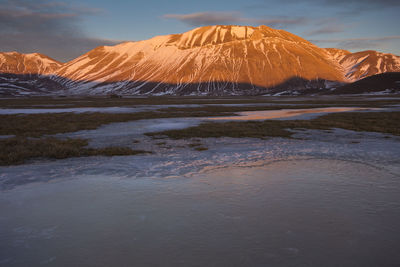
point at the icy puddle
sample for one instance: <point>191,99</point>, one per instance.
<point>122,134</point>
<point>323,199</point>
<point>287,113</point>
<point>316,212</point>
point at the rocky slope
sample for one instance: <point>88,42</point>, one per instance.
<point>22,74</point>
<point>17,63</point>
<point>360,65</point>
<point>211,60</point>
<point>206,60</point>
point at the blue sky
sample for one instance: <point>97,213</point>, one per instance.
<point>66,29</point>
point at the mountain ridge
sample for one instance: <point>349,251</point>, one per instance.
<point>210,57</point>
<point>32,63</point>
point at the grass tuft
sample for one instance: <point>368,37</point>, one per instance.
<point>36,125</point>
<point>18,150</point>
<point>201,148</point>
<point>194,145</point>
<point>382,122</point>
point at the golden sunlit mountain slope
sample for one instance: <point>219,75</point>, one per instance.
<point>365,63</point>
<point>27,74</point>
<point>35,63</point>
<point>209,57</point>
<point>211,60</point>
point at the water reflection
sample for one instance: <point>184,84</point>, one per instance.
<point>287,213</point>
<point>286,113</point>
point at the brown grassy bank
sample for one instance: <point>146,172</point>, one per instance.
<point>19,149</point>
<point>382,122</point>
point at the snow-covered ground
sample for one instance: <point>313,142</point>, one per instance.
<point>180,159</point>
<point>326,197</point>
<point>172,158</point>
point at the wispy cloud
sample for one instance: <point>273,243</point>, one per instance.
<point>212,18</point>
<point>355,4</point>
<point>205,18</point>
<point>348,9</point>
<point>47,27</point>
<point>363,3</point>
<point>326,30</point>
<point>326,26</point>
<point>358,43</point>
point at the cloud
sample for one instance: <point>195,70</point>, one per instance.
<point>326,26</point>
<point>213,18</point>
<point>340,8</point>
<point>47,27</point>
<point>325,30</point>
<point>358,43</point>
<point>359,4</point>
<point>205,18</point>
<point>375,3</point>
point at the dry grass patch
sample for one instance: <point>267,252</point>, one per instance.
<point>382,122</point>
<point>18,150</point>
<point>58,102</point>
<point>36,125</point>
<point>201,148</point>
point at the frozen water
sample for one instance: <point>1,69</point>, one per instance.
<point>288,113</point>
<point>124,133</point>
<point>325,198</point>
<point>174,158</point>
<point>292,212</point>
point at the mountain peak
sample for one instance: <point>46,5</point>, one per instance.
<point>220,34</point>
<point>219,59</point>
<point>33,63</point>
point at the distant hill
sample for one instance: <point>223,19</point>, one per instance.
<point>380,83</point>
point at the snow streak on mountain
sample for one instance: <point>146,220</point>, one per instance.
<point>211,60</point>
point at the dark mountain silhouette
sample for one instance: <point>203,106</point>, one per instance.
<point>385,82</point>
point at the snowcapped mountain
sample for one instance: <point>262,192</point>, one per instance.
<point>360,65</point>
<point>206,60</point>
<point>17,63</point>
<point>27,74</point>
<point>211,60</point>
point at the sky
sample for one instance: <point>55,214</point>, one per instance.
<point>65,30</point>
